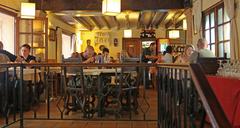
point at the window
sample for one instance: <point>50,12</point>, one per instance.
<point>216,30</point>
<point>7,32</point>
<point>66,45</point>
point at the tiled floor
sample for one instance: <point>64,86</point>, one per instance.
<point>87,124</point>
<point>151,114</point>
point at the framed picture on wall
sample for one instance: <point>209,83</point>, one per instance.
<point>52,34</point>
<point>115,42</point>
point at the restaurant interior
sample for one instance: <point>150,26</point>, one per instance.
<point>119,63</point>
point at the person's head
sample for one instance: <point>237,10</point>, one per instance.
<point>202,43</point>
<point>89,52</point>
<point>152,46</point>
<point>88,42</point>
<point>25,50</point>
<point>105,51</point>
<point>169,49</point>
<point>101,47</point>
<point>74,55</point>
<point>188,50</point>
<point>1,45</point>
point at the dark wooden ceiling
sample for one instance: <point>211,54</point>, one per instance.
<point>91,20</point>
<point>96,5</point>
<point>134,13</point>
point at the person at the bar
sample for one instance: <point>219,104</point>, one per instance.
<point>167,57</point>
<point>25,54</point>
<point>149,56</point>
<point>11,57</point>
<point>202,46</point>
<point>185,57</point>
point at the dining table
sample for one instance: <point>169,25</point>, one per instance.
<point>101,74</point>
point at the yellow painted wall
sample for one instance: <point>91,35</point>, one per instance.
<point>160,33</point>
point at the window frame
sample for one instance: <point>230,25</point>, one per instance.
<point>214,9</point>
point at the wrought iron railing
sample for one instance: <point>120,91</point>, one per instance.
<point>68,91</point>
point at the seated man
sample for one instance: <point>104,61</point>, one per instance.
<point>202,46</point>
<point>25,54</point>
<point>104,58</point>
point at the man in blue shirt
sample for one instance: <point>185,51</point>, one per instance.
<point>149,56</point>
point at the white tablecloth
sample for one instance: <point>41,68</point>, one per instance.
<point>28,74</point>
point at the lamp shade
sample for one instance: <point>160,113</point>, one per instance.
<point>174,34</point>
<point>127,33</point>
<point>111,7</point>
<point>28,10</point>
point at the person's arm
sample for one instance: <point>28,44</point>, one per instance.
<point>10,56</point>
<point>89,60</point>
<point>178,59</point>
<point>32,59</point>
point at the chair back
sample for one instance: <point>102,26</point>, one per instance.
<point>209,65</point>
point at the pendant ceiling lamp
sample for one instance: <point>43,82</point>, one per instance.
<point>127,33</point>
<point>111,7</point>
<point>173,34</point>
<point>28,10</point>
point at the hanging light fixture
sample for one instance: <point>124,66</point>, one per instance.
<point>184,24</point>
<point>127,33</point>
<point>173,34</point>
<point>28,10</point>
<point>111,7</point>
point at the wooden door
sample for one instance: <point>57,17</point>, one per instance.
<point>132,46</point>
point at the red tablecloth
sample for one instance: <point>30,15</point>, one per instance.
<point>227,91</point>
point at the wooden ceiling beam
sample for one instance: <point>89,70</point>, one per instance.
<point>128,21</point>
<point>168,24</point>
<point>178,24</point>
<point>175,19</point>
<point>96,5</point>
<point>95,22</point>
<point>139,25</point>
<point>152,19</point>
<point>106,22</point>
<point>163,17</point>
<point>116,21</point>
<point>84,23</point>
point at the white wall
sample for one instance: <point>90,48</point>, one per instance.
<point>7,32</point>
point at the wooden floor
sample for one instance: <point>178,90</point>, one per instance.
<point>151,114</point>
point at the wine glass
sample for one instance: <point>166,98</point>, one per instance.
<point>220,69</point>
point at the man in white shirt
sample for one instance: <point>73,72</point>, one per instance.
<point>202,45</point>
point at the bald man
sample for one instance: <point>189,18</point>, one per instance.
<point>203,52</point>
